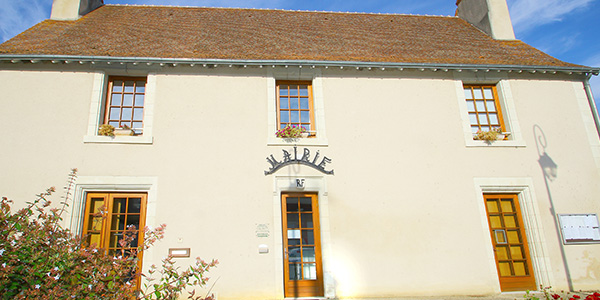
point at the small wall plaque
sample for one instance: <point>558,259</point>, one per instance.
<point>300,183</point>
<point>179,252</point>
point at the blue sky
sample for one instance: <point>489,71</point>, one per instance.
<point>565,29</point>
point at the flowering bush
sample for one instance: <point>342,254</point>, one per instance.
<point>290,131</point>
<point>489,136</point>
<point>41,260</point>
<point>551,295</point>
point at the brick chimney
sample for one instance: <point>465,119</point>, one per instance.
<point>491,16</point>
<point>73,9</point>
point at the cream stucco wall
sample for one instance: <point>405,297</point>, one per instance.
<point>402,216</point>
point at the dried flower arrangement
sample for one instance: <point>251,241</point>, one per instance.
<point>106,129</point>
<point>489,136</point>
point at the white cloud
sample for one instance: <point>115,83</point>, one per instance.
<point>18,15</point>
<point>527,14</point>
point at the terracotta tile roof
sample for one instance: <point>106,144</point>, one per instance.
<point>255,34</point>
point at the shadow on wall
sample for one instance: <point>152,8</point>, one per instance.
<point>550,171</point>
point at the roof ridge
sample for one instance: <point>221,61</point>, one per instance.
<point>283,10</point>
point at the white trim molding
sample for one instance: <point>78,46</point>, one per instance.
<point>530,211</point>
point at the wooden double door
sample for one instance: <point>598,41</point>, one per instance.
<point>511,250</point>
<point>303,271</point>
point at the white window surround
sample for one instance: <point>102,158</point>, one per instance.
<point>530,212</point>
<point>509,115</point>
<point>87,184</point>
<point>316,184</point>
<point>319,112</point>
<point>96,113</point>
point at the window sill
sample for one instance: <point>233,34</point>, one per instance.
<point>97,139</point>
<point>275,141</point>
<point>500,143</point>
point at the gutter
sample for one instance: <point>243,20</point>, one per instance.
<point>212,63</point>
<point>590,96</point>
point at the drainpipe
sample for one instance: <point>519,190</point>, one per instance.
<point>590,96</point>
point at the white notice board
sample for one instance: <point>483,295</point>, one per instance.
<point>579,228</point>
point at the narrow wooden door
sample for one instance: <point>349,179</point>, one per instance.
<point>303,272</point>
<point>510,242</point>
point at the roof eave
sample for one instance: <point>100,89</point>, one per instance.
<point>17,58</point>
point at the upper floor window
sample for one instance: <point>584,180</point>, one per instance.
<point>483,107</point>
<point>295,105</point>
<point>125,103</point>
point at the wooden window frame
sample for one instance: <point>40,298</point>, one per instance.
<point>278,83</point>
<point>104,232</point>
<point>108,103</point>
<point>497,104</point>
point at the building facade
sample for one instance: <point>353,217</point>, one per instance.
<point>390,194</point>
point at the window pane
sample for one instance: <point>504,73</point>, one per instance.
<point>468,94</point>
<point>293,90</point>
<point>307,127</point>
<point>115,113</point>
<point>292,221</point>
<point>501,252</point>
<point>133,220</point>
<point>305,116</point>
<point>307,220</point>
<point>504,269</point>
<point>284,116</point>
<point>474,129</point>
<point>516,252</point>
<point>305,204</point>
<point>139,126</point>
<point>117,222</point>
<point>491,105</point>
<point>127,100</point>
<point>488,93</point>
<point>283,103</point>
<point>480,106</point>
<point>292,204</point>
<point>308,237</point>
<point>138,114</point>
<point>139,100</point>
<point>115,100</point>
<point>513,236</point>
<point>295,272</point>
<point>310,271</point>
<point>129,86</point>
<point>492,206</point>
<point>294,254</point>
<point>294,103</point>
<point>520,269</point>
<point>283,90</point>
<point>140,87</point>
<point>470,106</point>
<point>507,206</point>
<point>119,205</point>
<point>117,86</point>
<point>134,205</point>
<point>126,116</point>
<point>510,221</point>
<point>482,119</point>
<point>477,93</point>
<point>295,116</point>
<point>304,103</point>
<point>303,90</point>
<point>308,254</point>
<point>494,119</point>
<point>473,119</point>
